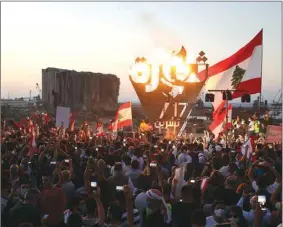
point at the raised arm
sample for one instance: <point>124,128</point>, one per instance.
<point>58,172</point>
<point>100,209</point>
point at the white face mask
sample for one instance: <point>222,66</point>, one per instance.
<point>219,212</point>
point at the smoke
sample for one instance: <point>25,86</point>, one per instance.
<point>161,35</point>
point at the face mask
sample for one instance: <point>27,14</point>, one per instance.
<point>219,212</point>
<point>22,165</point>
<point>234,220</point>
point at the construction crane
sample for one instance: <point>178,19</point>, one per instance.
<point>276,106</point>
<point>39,91</point>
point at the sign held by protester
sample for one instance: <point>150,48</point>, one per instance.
<point>274,134</point>
<point>62,116</point>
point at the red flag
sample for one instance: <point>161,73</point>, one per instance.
<point>219,124</point>
<point>46,118</point>
<point>17,124</point>
<point>241,71</point>
<point>72,121</point>
<point>99,128</point>
<point>123,117</point>
<point>219,110</point>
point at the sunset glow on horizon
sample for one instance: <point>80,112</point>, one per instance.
<point>106,37</point>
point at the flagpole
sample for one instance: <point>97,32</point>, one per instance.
<point>260,96</point>
<point>227,106</point>
<point>133,132</point>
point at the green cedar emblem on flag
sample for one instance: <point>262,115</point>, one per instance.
<point>237,76</point>
<point>119,117</point>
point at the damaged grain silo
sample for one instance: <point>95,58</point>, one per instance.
<point>80,90</point>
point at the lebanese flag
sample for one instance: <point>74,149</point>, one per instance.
<point>204,184</point>
<point>251,147</point>
<point>45,118</point>
<point>30,125</point>
<point>241,71</point>
<point>110,126</point>
<point>33,148</point>
<point>123,117</point>
<point>17,124</point>
<point>72,121</point>
<point>99,128</point>
<point>219,124</point>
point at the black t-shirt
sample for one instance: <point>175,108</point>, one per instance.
<point>181,214</point>
<point>25,213</point>
<point>230,197</point>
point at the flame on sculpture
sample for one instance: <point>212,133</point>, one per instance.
<point>169,70</point>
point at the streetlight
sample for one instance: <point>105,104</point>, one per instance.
<point>173,82</point>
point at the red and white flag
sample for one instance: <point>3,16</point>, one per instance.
<point>204,183</point>
<point>249,145</point>
<point>241,71</point>
<point>123,117</point>
<point>99,128</point>
<point>72,121</point>
<point>222,122</point>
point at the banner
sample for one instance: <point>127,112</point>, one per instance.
<point>62,116</point>
<point>274,134</point>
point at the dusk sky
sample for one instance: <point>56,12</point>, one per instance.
<point>106,37</point>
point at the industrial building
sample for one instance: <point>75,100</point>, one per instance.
<point>79,90</point>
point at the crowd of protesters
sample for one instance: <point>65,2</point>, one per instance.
<point>53,178</point>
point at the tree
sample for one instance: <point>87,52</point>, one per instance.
<point>237,76</point>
